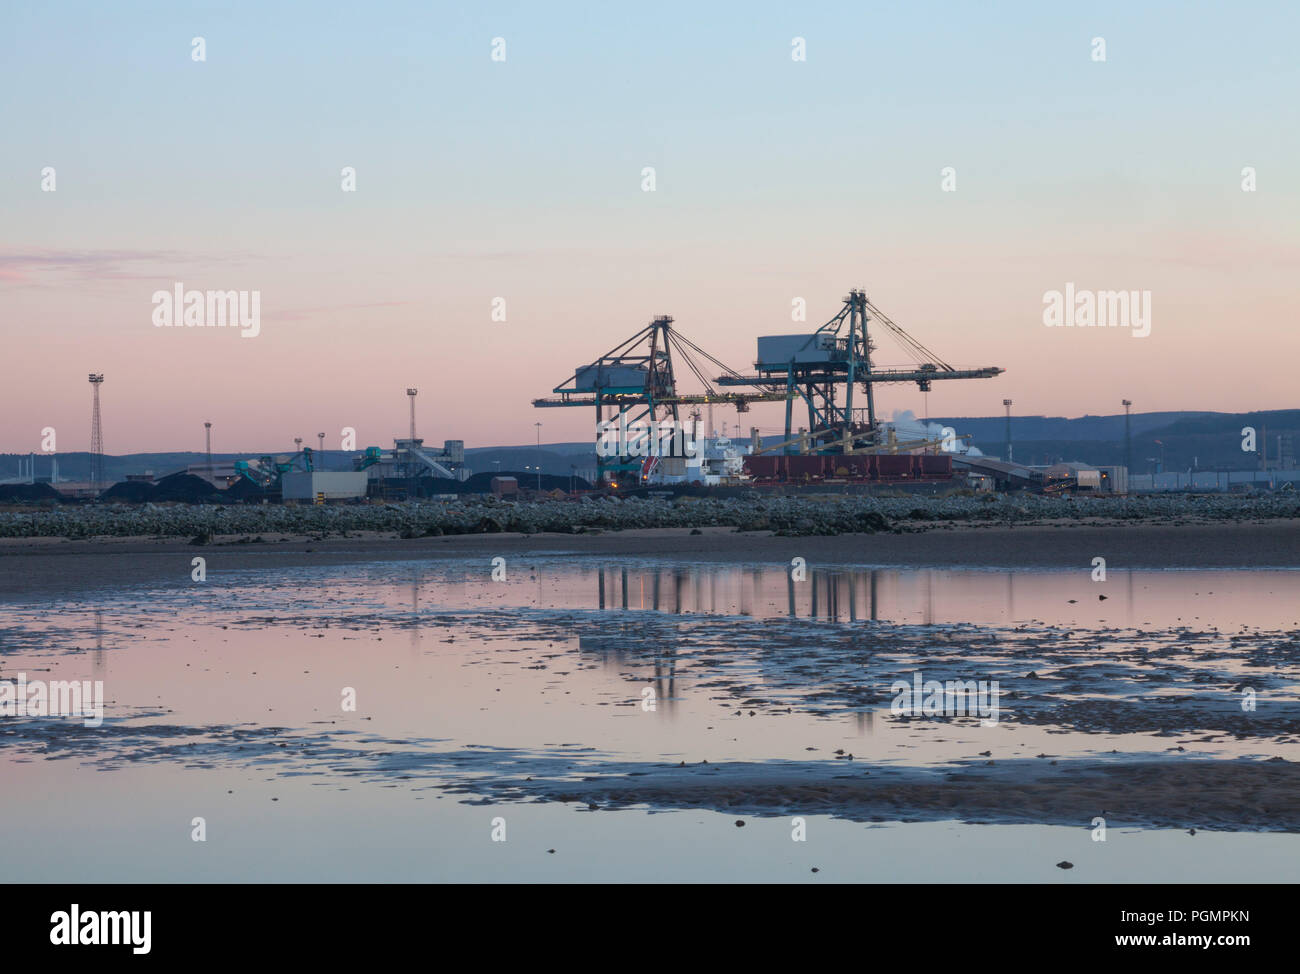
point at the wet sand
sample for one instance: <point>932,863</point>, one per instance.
<point>35,567</point>
<point>1242,795</point>
<point>527,696</point>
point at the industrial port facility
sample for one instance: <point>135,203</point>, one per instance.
<point>826,375</point>
<point>650,395</point>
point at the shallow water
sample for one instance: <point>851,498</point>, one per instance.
<point>480,699</point>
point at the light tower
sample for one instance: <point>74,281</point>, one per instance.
<point>207,437</point>
<point>1007,403</point>
<point>297,444</point>
<point>96,435</point>
<point>320,454</point>
<point>1128,436</point>
<point>411,393</point>
<point>539,456</point>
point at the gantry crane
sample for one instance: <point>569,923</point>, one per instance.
<point>813,367</point>
<point>637,382</point>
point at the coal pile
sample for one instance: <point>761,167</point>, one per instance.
<point>244,491</point>
<point>179,488</point>
<point>29,494</point>
<point>128,492</point>
<point>184,488</point>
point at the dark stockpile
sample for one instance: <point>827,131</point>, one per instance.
<point>244,491</point>
<point>185,488</point>
<point>29,494</point>
<point>128,492</point>
<point>182,488</point>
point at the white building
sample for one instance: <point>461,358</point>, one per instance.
<point>329,484</point>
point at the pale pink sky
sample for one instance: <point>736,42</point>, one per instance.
<point>522,180</point>
<point>342,337</point>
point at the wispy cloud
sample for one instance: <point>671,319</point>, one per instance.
<point>46,266</point>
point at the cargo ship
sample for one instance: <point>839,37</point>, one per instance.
<point>724,467</point>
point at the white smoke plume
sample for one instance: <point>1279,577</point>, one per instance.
<point>908,427</point>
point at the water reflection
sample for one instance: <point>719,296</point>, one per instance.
<point>610,644</point>
<point>944,596</point>
<point>97,658</point>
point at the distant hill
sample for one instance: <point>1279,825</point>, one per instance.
<point>992,429</point>
<point>1185,439</point>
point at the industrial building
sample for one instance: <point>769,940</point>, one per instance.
<point>1085,478</point>
<point>1217,480</point>
<point>1060,478</point>
<point>404,471</point>
<point>410,458</point>
<point>505,487</point>
<point>319,486</point>
<point>1000,474</point>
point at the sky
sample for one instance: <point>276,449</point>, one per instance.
<point>522,179</point>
